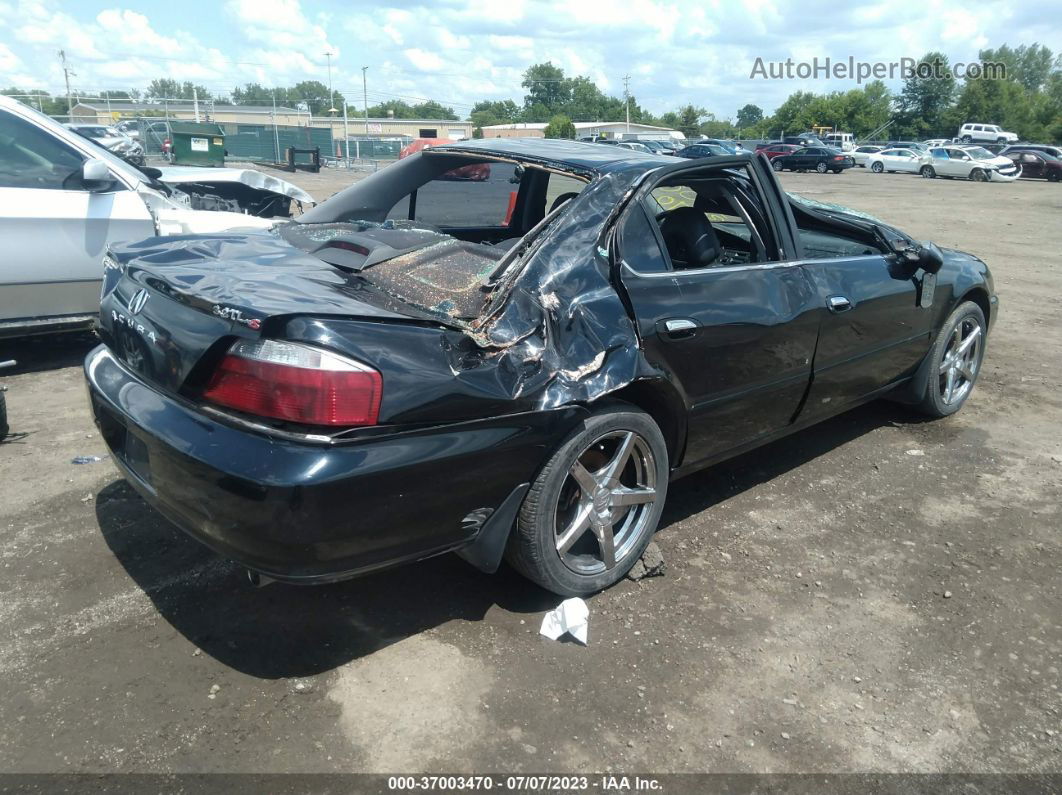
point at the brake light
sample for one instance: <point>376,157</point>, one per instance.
<point>297,383</point>
<point>838,157</point>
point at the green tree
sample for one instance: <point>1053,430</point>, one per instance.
<point>166,88</point>
<point>487,112</point>
<point>560,126</point>
<point>547,86</point>
<point>477,132</point>
<point>749,115</point>
<point>433,110</point>
<point>923,104</point>
<point>38,99</point>
<point>689,120</point>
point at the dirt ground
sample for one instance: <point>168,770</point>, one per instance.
<point>878,593</point>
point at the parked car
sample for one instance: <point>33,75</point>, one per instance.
<point>840,140</point>
<point>635,146</point>
<point>992,133</point>
<point>1037,165</point>
<point>933,143</point>
<point>861,153</point>
<point>112,140</point>
<point>819,158</point>
<point>382,380</point>
<point>970,162</point>
<point>897,159</point>
<point>915,145</point>
<point>771,151</point>
<point>703,149</point>
<point>1051,150</point>
<point>656,147</point>
<point>63,200</point>
<point>671,146</point>
<point>804,139</point>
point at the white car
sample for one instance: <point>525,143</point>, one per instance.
<point>932,143</point>
<point>897,159</point>
<point>986,133</point>
<point>970,162</point>
<point>63,201</point>
<point>862,153</point>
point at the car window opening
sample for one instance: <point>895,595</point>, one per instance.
<point>710,219</point>
<point>441,245</point>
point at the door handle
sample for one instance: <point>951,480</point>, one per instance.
<point>678,327</point>
<point>838,303</point>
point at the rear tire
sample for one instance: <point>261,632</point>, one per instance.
<point>776,165</point>
<point>3,416</point>
<point>955,361</point>
<point>594,506</point>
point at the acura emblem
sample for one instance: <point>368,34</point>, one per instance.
<point>136,303</point>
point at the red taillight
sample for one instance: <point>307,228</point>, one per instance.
<point>296,383</point>
<point>838,157</point>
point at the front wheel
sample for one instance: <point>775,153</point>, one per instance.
<point>979,175</point>
<point>877,168</point>
<point>821,168</point>
<point>966,139</point>
<point>776,165</point>
<point>928,172</point>
<point>3,416</point>
<point>955,361</point>
<point>595,505</point>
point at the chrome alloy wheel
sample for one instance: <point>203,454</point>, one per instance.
<point>962,357</point>
<point>605,502</point>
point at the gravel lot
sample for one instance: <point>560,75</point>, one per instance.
<point>878,593</point>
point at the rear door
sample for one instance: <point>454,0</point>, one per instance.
<point>54,229</point>
<point>736,335</point>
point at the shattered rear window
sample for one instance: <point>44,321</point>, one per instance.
<point>419,266</point>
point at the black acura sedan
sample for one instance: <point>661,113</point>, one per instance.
<point>510,367</point>
<point>817,158</point>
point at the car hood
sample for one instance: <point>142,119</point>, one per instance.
<point>177,175</point>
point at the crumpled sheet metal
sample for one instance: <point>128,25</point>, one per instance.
<point>178,175</point>
<point>562,313</point>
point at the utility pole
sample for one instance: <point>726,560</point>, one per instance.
<point>331,96</point>
<point>365,98</point>
<point>627,99</point>
<point>66,76</point>
<point>195,103</point>
<point>346,134</point>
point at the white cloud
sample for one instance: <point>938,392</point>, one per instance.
<point>698,51</point>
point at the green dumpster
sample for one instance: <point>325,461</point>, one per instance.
<point>197,144</point>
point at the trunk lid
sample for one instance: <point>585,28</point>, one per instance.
<point>172,306</point>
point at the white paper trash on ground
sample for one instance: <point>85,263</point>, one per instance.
<point>571,616</point>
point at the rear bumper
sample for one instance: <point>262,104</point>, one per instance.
<point>316,512</point>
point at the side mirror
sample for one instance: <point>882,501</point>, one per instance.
<point>518,175</point>
<point>95,174</point>
<point>930,257</point>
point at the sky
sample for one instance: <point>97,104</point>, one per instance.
<point>460,52</point>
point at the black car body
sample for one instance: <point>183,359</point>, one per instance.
<point>814,158</point>
<point>604,292</point>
